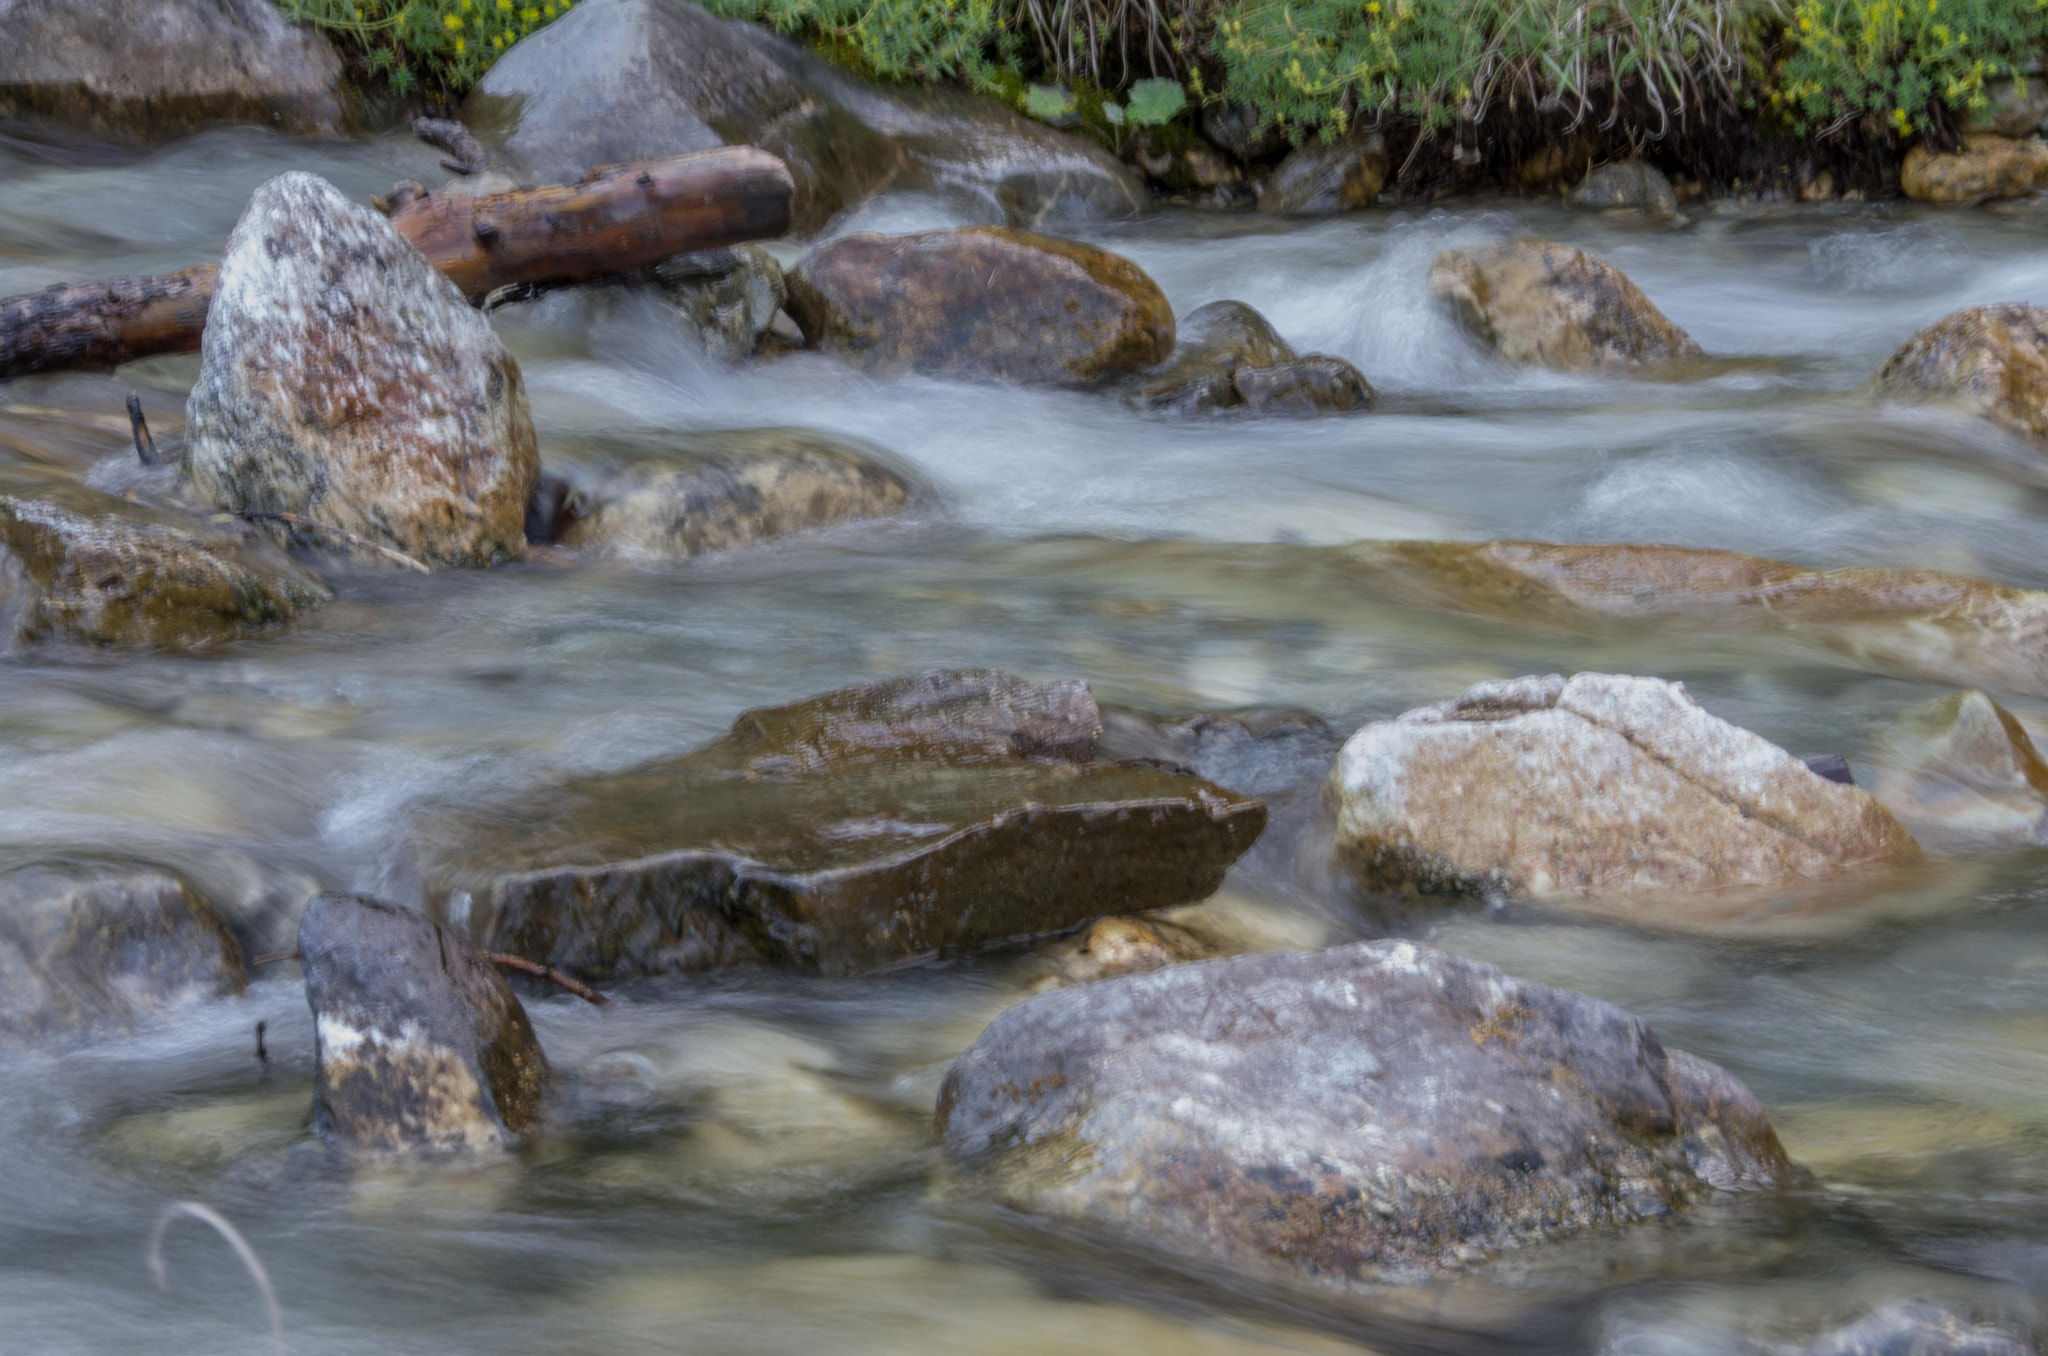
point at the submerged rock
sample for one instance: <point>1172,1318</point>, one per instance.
<point>1596,785</point>
<point>1990,360</point>
<point>420,1042</point>
<point>1988,166</point>
<point>1323,178</point>
<point>80,564</point>
<point>150,70</point>
<point>983,301</point>
<point>1916,1328</point>
<point>1632,185</point>
<point>344,379</point>
<point>731,296</point>
<point>1227,356</point>
<point>1964,769</point>
<point>896,821</point>
<point>1537,301</point>
<point>1373,1113</point>
<point>718,490</point>
<point>617,80</point>
<point>86,943</point>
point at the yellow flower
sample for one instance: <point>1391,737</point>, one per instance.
<point>498,41</point>
<point>452,22</point>
<point>1805,24</point>
<point>461,44</point>
<point>1372,6</point>
<point>505,5</point>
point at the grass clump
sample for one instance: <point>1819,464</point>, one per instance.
<point>436,47</point>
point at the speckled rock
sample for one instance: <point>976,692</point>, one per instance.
<point>80,564</point>
<point>343,379</point>
<point>89,943</point>
<point>1373,1113</point>
<point>1632,185</point>
<point>1323,178</point>
<point>618,80</point>
<point>1317,383</point>
<point>718,490</point>
<point>1594,785</point>
<point>1989,360</point>
<point>1988,166</point>
<point>1227,356</point>
<point>937,814</point>
<point>421,1045</point>
<point>986,302</point>
<point>1536,301</point>
<point>730,296</point>
<point>150,70</point>
<point>1963,771</point>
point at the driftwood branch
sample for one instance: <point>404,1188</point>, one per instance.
<point>145,446</point>
<point>550,974</point>
<point>620,219</point>
<point>294,520</point>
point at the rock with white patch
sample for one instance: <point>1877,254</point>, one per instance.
<point>421,1044</point>
<point>1597,785</point>
<point>345,380</point>
<point>1372,1113</point>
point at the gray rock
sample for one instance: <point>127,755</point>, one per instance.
<point>1324,178</point>
<point>344,379</point>
<point>938,814</point>
<point>1226,356</point>
<point>1372,1113</point>
<point>421,1044</point>
<point>623,79</point>
<point>79,564</point>
<point>1632,185</point>
<point>718,490</point>
<point>93,942</point>
<point>149,70</point>
<point>1314,384</point>
<point>730,295</point>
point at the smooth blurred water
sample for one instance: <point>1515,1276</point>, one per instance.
<point>740,1164</point>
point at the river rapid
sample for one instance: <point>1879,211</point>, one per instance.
<point>742,1160</point>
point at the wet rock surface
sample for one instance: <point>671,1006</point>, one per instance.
<point>730,296</point>
<point>715,491</point>
<point>1320,178</point>
<point>1987,166</point>
<point>343,379</point>
<point>1964,771</point>
<point>618,80</point>
<point>80,564</point>
<point>986,302</point>
<point>923,816</point>
<point>1595,785</point>
<point>88,943</point>
<point>421,1045</point>
<point>1538,301</point>
<point>1989,360</point>
<point>150,70</point>
<point>1228,356</point>
<point>1632,185</point>
<point>1373,1113</point>
<point>1916,1328</point>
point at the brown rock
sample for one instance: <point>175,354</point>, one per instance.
<point>1310,385</point>
<point>1324,178</point>
<point>1226,356</point>
<point>80,564</point>
<point>345,380</point>
<point>1988,166</point>
<point>1990,360</point>
<point>1537,301</point>
<point>983,302</point>
<point>1632,185</point>
<point>1964,771</point>
<point>872,826</point>
<point>1368,1114</point>
<point>1596,785</point>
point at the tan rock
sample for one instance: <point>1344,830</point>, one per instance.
<point>1988,166</point>
<point>983,301</point>
<point>1990,360</point>
<point>1595,785</point>
<point>1964,770</point>
<point>344,379</point>
<point>1537,301</point>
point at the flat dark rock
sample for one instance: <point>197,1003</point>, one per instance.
<point>894,822</point>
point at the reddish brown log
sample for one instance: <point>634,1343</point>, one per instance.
<point>620,219</point>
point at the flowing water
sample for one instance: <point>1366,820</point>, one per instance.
<point>741,1161</point>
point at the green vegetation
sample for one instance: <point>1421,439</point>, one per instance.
<point>1902,59</point>
<point>440,46</point>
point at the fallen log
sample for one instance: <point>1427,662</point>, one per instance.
<point>620,219</point>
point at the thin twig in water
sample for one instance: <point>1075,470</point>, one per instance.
<point>145,446</point>
<point>208,1216</point>
<point>273,957</point>
<point>313,524</point>
<point>550,974</point>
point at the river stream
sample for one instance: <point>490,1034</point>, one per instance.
<point>742,1162</point>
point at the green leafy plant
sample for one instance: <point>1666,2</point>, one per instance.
<point>1048,103</point>
<point>443,46</point>
<point>1901,59</point>
<point>1155,102</point>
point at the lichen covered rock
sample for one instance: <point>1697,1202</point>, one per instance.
<point>421,1044</point>
<point>1594,785</point>
<point>344,379</point>
<point>987,302</point>
<point>79,564</point>
<point>1373,1113</point>
<point>1537,301</point>
<point>1989,360</point>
